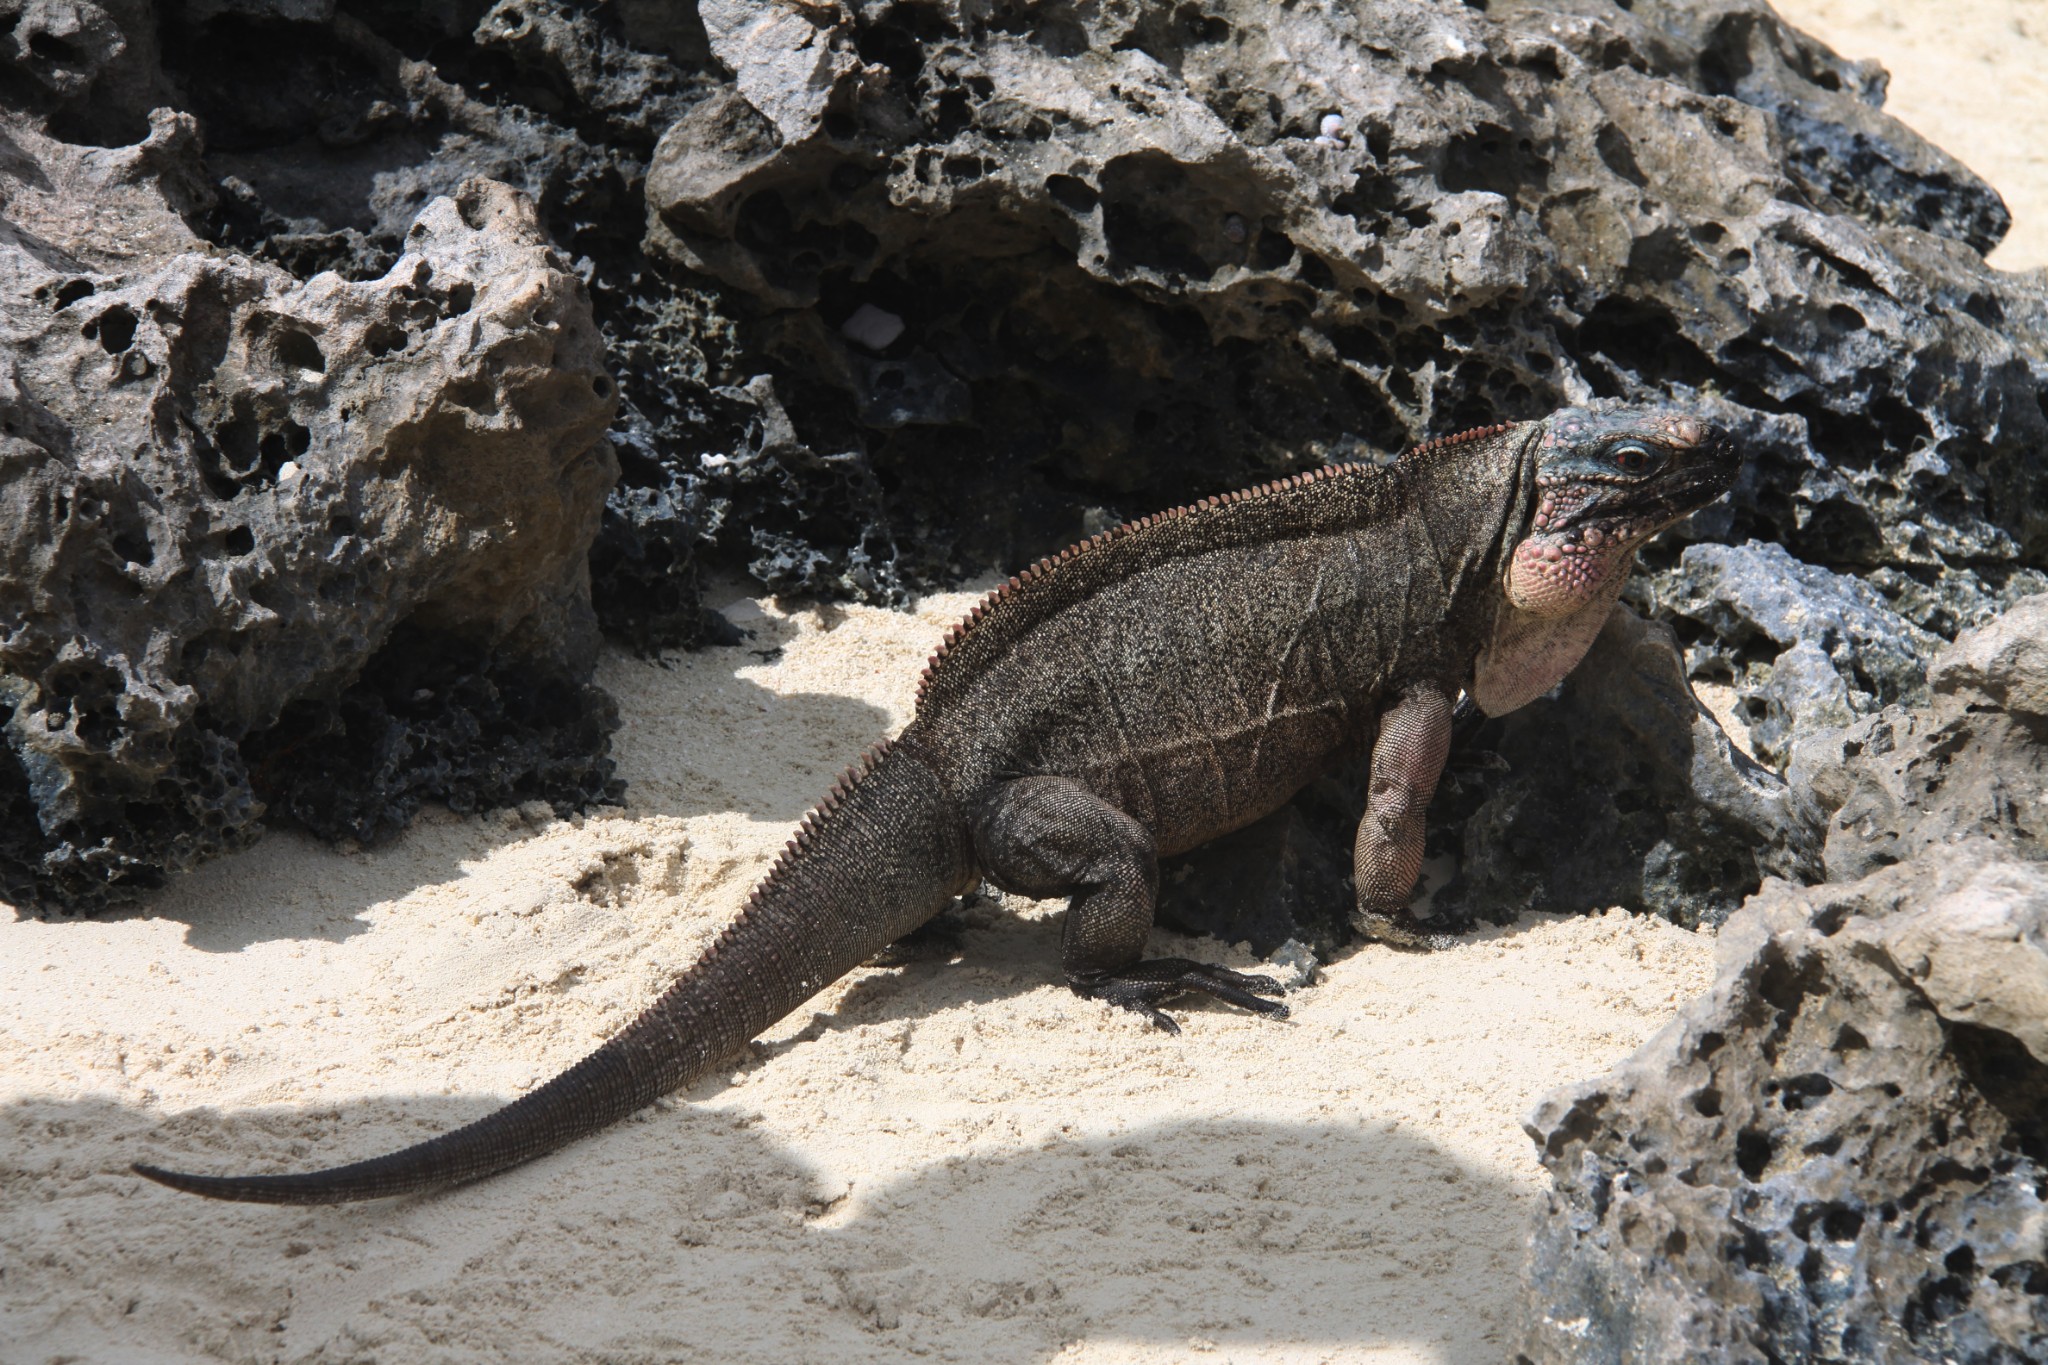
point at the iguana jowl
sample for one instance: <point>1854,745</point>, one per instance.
<point>1147,690</point>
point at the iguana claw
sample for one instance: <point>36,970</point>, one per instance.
<point>1142,985</point>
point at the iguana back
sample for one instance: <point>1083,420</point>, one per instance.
<point>1198,667</point>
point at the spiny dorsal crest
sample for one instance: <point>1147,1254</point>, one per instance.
<point>1008,591</point>
<point>807,832</point>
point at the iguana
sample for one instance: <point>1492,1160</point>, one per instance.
<point>1141,692</point>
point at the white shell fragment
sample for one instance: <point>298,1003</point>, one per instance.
<point>872,327</point>
<point>1333,126</point>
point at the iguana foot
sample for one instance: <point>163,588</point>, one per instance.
<point>1398,929</point>
<point>1142,985</point>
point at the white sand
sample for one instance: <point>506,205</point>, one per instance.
<point>1969,75</point>
<point>962,1160</point>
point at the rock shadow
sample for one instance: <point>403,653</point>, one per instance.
<point>696,739</point>
<point>698,1235</point>
<point>700,739</point>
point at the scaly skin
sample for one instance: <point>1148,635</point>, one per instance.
<point>1150,689</point>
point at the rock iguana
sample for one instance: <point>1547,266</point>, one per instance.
<point>1140,693</point>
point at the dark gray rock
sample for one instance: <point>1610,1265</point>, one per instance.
<point>223,490</point>
<point>1618,790</point>
<point>1117,230</point>
<point>1969,763</point>
<point>1837,1154</point>
<point>1806,648</point>
<point>1840,1152</point>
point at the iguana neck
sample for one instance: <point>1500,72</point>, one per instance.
<point>1529,654</point>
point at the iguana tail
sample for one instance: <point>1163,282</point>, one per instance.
<point>881,855</point>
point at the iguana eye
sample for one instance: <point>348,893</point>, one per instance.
<point>1632,458</point>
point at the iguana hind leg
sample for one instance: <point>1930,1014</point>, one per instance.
<point>1407,759</point>
<point>1051,836</point>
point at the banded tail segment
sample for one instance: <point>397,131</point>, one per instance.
<point>877,858</point>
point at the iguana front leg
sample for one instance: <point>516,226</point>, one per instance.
<point>1407,759</point>
<point>1051,836</point>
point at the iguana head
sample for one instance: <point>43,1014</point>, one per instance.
<point>1607,479</point>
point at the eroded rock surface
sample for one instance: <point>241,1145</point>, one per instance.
<point>1815,648</point>
<point>1128,265</point>
<point>1840,1152</point>
<point>1837,1154</point>
<point>1970,763</point>
<point>1619,790</point>
<point>222,490</point>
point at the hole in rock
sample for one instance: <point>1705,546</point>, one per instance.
<point>50,48</point>
<point>1841,1223</point>
<point>887,45</point>
<point>953,112</point>
<point>2030,1277</point>
<point>1071,193</point>
<point>1800,1091</point>
<point>116,330</point>
<point>300,351</point>
<point>1492,158</point>
<point>134,548</point>
<point>1846,318</point>
<point>239,541</point>
<point>1753,1152</point>
<point>2011,1079</point>
<point>382,339</point>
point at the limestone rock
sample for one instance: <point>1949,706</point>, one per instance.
<point>1836,1154</point>
<point>1840,1152</point>
<point>1132,267</point>
<point>1970,763</point>
<point>2004,665</point>
<point>224,489</point>
<point>1845,652</point>
<point>1980,952</point>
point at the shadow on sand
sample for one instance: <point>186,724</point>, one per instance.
<point>690,744</point>
<point>1250,1235</point>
